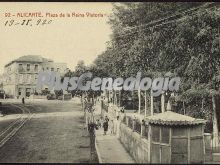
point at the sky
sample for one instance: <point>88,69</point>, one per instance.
<point>65,39</point>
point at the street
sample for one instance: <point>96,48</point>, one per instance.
<point>54,134</point>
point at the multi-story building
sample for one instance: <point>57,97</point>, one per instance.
<point>20,75</point>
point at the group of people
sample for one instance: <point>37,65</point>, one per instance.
<point>108,125</point>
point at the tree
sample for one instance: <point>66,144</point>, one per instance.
<point>159,38</point>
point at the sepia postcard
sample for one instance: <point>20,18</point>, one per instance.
<point>110,82</point>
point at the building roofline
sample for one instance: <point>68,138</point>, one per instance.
<point>15,61</point>
<point>30,59</point>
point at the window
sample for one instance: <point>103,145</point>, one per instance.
<point>29,78</point>
<point>47,68</point>
<point>28,67</point>
<point>35,67</point>
<point>24,78</point>
<point>32,78</point>
<point>58,69</point>
<point>52,69</point>
<point>19,91</point>
<point>28,92</point>
<point>20,78</point>
<point>20,67</point>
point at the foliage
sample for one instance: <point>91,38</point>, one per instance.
<point>184,45</point>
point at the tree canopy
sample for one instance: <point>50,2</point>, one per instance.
<point>159,38</point>
<point>185,44</point>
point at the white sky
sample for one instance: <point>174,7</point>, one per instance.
<point>64,40</point>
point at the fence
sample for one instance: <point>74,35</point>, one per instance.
<point>130,122</point>
<point>137,126</point>
<point>215,145</point>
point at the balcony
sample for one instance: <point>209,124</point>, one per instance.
<point>22,70</point>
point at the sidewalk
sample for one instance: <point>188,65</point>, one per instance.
<point>108,147</point>
<point>31,100</point>
<point>110,150</point>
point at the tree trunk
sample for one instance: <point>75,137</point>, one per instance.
<point>184,108</point>
<point>215,123</point>
<point>151,104</point>
<point>119,99</point>
<point>145,103</point>
<point>139,101</point>
<point>109,98</point>
<point>162,103</point>
<point>93,100</point>
<point>116,100</point>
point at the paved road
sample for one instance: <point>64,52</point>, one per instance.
<point>54,134</point>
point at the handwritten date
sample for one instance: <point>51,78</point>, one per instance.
<point>28,22</point>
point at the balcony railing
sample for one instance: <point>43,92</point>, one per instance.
<point>22,70</point>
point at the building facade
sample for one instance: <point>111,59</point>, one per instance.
<point>20,75</point>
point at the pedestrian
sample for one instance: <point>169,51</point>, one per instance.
<point>98,123</point>
<point>105,125</point>
<point>101,121</point>
<point>123,109</point>
<point>117,127</point>
<point>111,127</point>
<point>106,118</point>
<point>23,100</point>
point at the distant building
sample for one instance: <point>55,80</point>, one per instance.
<point>20,75</point>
